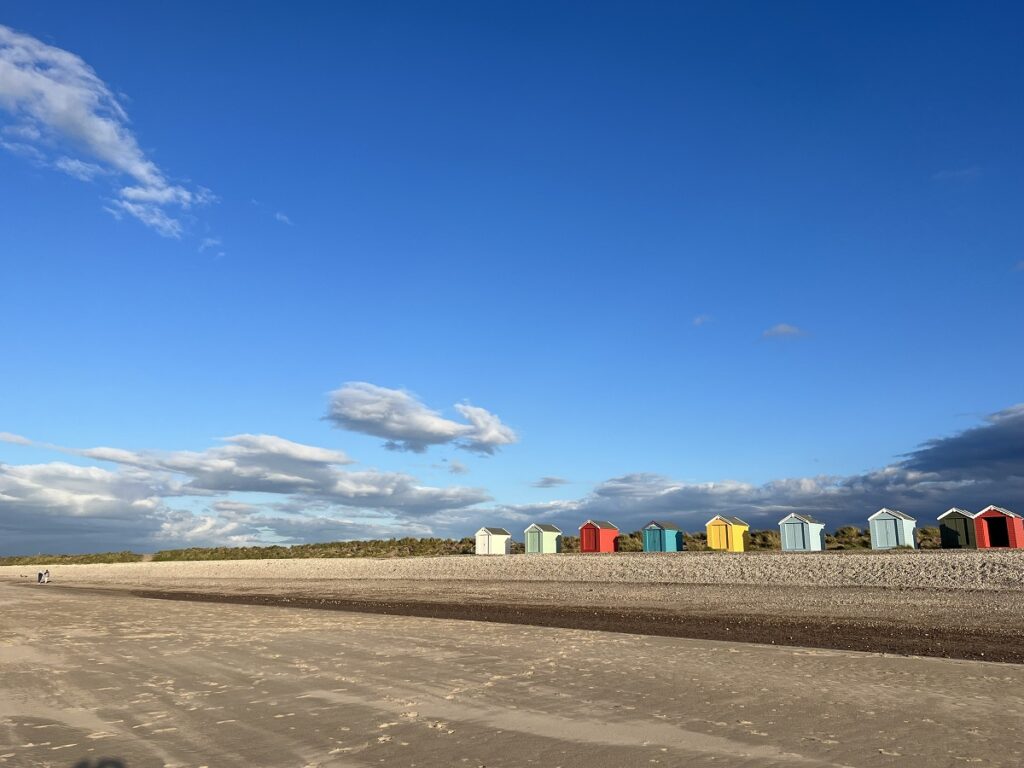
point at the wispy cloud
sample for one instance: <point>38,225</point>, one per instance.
<point>700,320</point>
<point>1019,266</point>
<point>955,174</point>
<point>456,467</point>
<point>409,425</point>
<point>549,481</point>
<point>209,242</point>
<point>283,218</point>
<point>79,169</point>
<point>782,330</point>
<point>67,118</point>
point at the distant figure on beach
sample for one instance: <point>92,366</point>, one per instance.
<point>39,578</point>
<point>46,576</point>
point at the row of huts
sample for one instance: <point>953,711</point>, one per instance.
<point>992,527</point>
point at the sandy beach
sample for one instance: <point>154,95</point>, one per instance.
<point>958,604</point>
<point>179,683</point>
<point>566,661</point>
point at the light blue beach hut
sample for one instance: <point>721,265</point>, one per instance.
<point>660,536</point>
<point>801,533</point>
<point>891,528</point>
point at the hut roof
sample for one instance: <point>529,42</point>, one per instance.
<point>1000,510</point>
<point>893,512</point>
<point>799,516</point>
<point>546,527</point>
<point>956,511</point>
<point>602,524</point>
<point>728,519</point>
<point>495,531</point>
<point>663,525</point>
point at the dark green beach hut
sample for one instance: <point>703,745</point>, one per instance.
<point>956,529</point>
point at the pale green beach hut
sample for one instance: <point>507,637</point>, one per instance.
<point>543,539</point>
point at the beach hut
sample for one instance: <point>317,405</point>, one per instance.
<point>493,541</point>
<point>726,533</point>
<point>996,527</point>
<point>660,536</point>
<point>801,533</point>
<point>543,539</point>
<point>956,529</point>
<point>599,536</point>
<point>891,528</point>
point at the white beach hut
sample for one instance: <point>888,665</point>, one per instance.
<point>493,541</point>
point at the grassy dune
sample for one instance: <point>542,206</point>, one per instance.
<point>99,557</point>
<point>847,538</point>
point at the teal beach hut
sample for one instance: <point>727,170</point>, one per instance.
<point>660,536</point>
<point>543,539</point>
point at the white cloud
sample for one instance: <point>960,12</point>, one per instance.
<point>456,467</point>
<point>487,433</point>
<point>209,242</point>
<point>298,492</point>
<point>700,320</point>
<point>976,467</point>
<point>80,169</point>
<point>60,105</point>
<point>549,481</point>
<point>409,425</point>
<point>43,506</point>
<point>782,330</point>
<point>152,216</point>
<point>283,218</point>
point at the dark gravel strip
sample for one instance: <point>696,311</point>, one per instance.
<point>979,643</point>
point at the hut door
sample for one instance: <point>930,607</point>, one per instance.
<point>652,540</point>
<point>533,541</point>
<point>954,533</point>
<point>716,536</point>
<point>793,536</point>
<point>588,540</point>
<point>998,533</point>
<point>887,533</point>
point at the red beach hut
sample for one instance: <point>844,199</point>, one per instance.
<point>599,536</point>
<point>998,527</point>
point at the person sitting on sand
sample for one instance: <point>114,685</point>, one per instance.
<point>46,576</point>
<point>39,578</point>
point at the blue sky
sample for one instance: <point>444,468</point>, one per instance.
<point>663,246</point>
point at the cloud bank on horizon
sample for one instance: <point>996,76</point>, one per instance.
<point>61,115</point>
<point>254,488</point>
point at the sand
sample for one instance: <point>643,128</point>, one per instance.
<point>166,683</point>
<point>967,605</point>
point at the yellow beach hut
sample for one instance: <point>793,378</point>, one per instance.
<point>726,533</point>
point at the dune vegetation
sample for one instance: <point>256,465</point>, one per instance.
<point>846,538</point>
<point>99,557</point>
